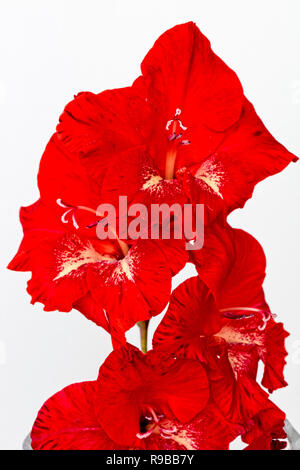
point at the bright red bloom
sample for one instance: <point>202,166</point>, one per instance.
<point>183,132</point>
<point>140,402</point>
<point>188,116</point>
<point>232,264</point>
<point>73,268</point>
<point>228,303</point>
<point>226,324</point>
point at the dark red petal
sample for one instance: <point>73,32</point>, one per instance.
<point>129,381</point>
<point>175,253</point>
<point>61,176</point>
<point>192,313</point>
<point>181,71</point>
<point>68,421</point>
<point>184,387</point>
<point>232,264</point>
<point>265,431</point>
<point>92,310</point>
<point>97,127</point>
<point>247,155</point>
<point>121,392</point>
<point>273,354</point>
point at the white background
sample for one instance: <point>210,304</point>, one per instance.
<point>51,50</point>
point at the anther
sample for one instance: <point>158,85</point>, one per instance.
<point>172,136</point>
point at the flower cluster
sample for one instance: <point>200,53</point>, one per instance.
<point>182,133</point>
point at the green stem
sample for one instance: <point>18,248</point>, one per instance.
<point>143,326</point>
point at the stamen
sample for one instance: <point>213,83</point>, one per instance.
<point>172,137</point>
<point>143,435</point>
<point>74,220</point>
<point>153,414</point>
<point>166,433</point>
<point>184,128</point>
<point>72,210</point>
<point>64,216</point>
<point>61,203</point>
<point>266,315</point>
<point>174,126</point>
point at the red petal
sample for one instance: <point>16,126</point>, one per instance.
<point>129,381</point>
<point>61,176</point>
<point>273,353</point>
<point>92,310</point>
<point>192,313</point>
<point>96,127</point>
<point>247,155</point>
<point>232,264</point>
<point>67,421</point>
<point>265,430</point>
<point>181,71</point>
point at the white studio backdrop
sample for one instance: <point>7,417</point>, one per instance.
<point>50,50</point>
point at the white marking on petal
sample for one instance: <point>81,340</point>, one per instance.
<point>152,182</point>
<point>212,174</point>
<point>61,204</point>
<point>235,336</point>
<point>70,261</point>
<point>123,269</point>
<point>183,438</point>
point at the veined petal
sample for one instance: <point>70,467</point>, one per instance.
<point>97,127</point>
<point>232,264</point>
<point>68,421</point>
<point>192,313</point>
<point>130,383</point>
<point>182,72</point>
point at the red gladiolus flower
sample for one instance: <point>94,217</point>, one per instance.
<point>183,132</point>
<point>198,136</point>
<point>226,324</point>
<point>229,304</point>
<point>111,283</point>
<point>139,402</point>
